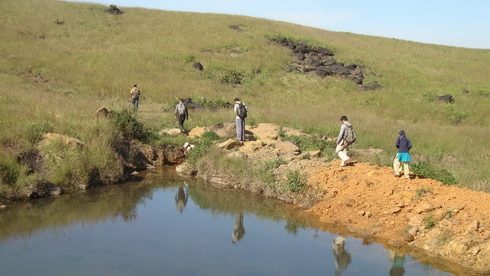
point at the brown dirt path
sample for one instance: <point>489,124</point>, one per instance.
<point>445,221</point>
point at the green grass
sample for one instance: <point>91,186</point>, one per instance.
<point>94,59</point>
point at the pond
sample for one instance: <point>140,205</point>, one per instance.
<point>164,225</point>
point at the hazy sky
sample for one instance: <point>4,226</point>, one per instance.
<point>463,23</point>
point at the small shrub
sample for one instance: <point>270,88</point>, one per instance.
<point>233,77</point>
<point>424,169</point>
<point>295,181</point>
<point>202,147</point>
<point>421,192</point>
<point>129,128</point>
<point>429,221</point>
<point>36,130</point>
<point>210,135</point>
<point>10,170</point>
<point>266,173</point>
<point>189,58</point>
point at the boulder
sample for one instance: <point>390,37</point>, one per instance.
<point>198,66</point>
<point>230,144</point>
<point>197,132</point>
<point>286,148</point>
<point>186,169</point>
<point>446,98</point>
<point>315,154</point>
<point>170,132</point>
<point>102,112</point>
<point>265,131</point>
<point>224,130</point>
<point>50,138</point>
<point>235,27</point>
<point>113,9</point>
<point>370,86</point>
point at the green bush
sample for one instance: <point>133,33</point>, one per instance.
<point>266,173</point>
<point>295,181</point>
<point>129,128</point>
<point>202,147</point>
<point>10,170</point>
<point>210,135</point>
<point>36,130</point>
<point>233,76</point>
<point>424,169</point>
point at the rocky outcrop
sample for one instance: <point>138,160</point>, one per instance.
<point>320,61</point>
<point>113,9</point>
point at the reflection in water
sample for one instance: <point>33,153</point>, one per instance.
<point>238,229</point>
<point>397,263</point>
<point>342,257</point>
<point>181,197</point>
<point>117,215</point>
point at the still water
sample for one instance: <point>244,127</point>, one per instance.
<point>164,226</point>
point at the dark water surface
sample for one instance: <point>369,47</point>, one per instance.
<point>163,227</point>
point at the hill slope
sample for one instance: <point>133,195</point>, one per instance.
<point>62,72</point>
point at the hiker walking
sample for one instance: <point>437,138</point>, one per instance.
<point>240,110</point>
<point>135,97</point>
<point>346,137</point>
<point>181,114</point>
<point>402,158</point>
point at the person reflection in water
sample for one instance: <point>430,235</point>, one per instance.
<point>181,197</point>
<point>397,263</point>
<point>238,229</point>
<point>342,257</point>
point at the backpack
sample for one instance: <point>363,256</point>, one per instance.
<point>242,111</point>
<point>181,109</point>
<point>350,135</point>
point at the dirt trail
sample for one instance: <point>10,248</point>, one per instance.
<point>445,221</point>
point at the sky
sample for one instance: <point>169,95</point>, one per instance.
<point>463,23</point>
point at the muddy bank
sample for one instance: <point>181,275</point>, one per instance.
<point>435,221</point>
<point>131,157</point>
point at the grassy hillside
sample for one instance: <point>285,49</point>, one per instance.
<point>61,74</point>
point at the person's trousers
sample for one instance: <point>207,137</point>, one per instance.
<point>240,129</point>
<point>181,119</point>
<point>398,167</point>
<point>342,151</point>
<point>135,104</point>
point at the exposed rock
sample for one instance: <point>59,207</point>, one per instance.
<point>370,86</point>
<point>446,98</point>
<point>265,131</point>
<point>3,206</point>
<point>473,226</point>
<point>368,214</point>
<point>170,132</point>
<point>424,208</point>
<point>50,138</point>
<point>474,251</point>
<point>230,144</point>
<point>315,154</point>
<point>407,237</point>
<point>413,231</point>
<point>292,132</point>
<point>103,112</point>
<point>186,169</point>
<point>465,91</point>
<point>320,61</point>
<point>197,132</point>
<point>59,22</point>
<point>395,210</point>
<point>113,9</point>
<point>287,148</point>
<point>237,28</point>
<point>43,189</point>
<point>198,66</point>
<point>32,159</point>
<point>224,130</point>
<point>362,213</point>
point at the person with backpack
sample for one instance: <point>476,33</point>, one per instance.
<point>135,97</point>
<point>346,137</point>
<point>241,111</point>
<point>402,158</point>
<point>181,114</point>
